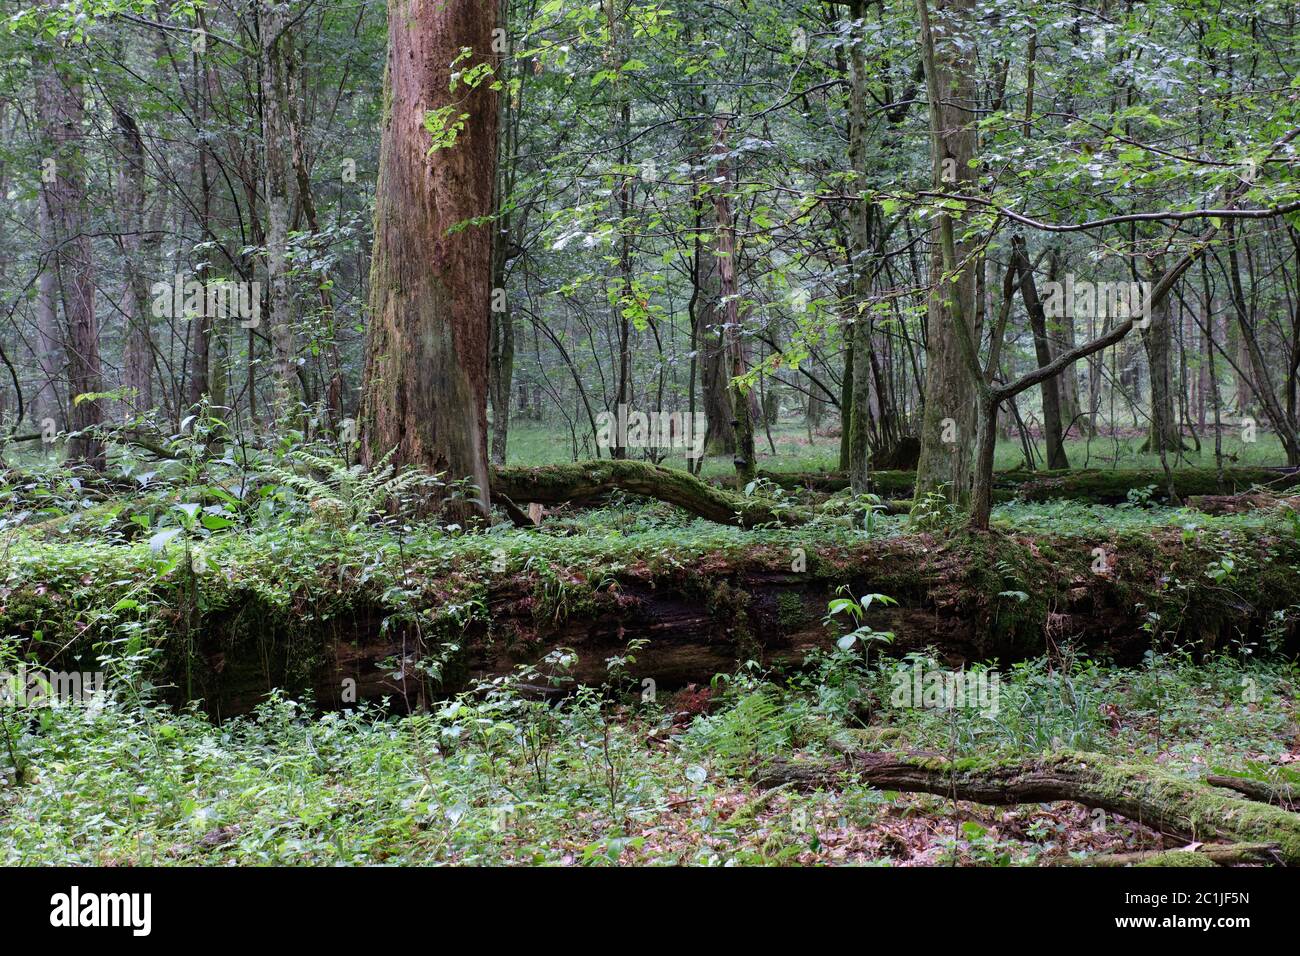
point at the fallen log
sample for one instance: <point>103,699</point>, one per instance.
<point>300,616</point>
<point>589,480</point>
<point>1284,794</point>
<point>1237,504</point>
<point>1148,795</point>
<point>1208,854</point>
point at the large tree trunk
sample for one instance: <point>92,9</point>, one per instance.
<point>425,391</point>
<point>947,427</point>
<point>61,109</point>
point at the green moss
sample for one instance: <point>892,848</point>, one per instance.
<point>791,611</point>
<point>1178,858</point>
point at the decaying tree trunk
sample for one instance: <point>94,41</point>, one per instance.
<point>1211,854</point>
<point>425,391</point>
<point>584,481</point>
<point>1284,794</point>
<point>1146,794</point>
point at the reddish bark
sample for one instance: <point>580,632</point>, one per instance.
<point>425,390</point>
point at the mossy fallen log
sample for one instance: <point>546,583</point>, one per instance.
<point>1149,795</point>
<point>1206,854</point>
<point>586,481</point>
<point>1113,486</point>
<point>1243,502</point>
<point>590,480</point>
<point>309,616</point>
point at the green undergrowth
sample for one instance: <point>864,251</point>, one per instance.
<point>91,595</point>
<point>615,776</point>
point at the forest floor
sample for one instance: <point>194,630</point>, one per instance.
<point>1176,655</point>
<point>506,779</point>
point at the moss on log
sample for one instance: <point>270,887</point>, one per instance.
<point>1284,794</point>
<point>1112,486</point>
<point>303,613</point>
<point>584,481</point>
<point>1207,854</point>
<point>1149,795</point>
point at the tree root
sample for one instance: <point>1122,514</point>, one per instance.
<point>1185,809</point>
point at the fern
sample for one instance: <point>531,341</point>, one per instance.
<point>346,495</point>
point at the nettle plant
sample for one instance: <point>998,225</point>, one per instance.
<point>862,636</point>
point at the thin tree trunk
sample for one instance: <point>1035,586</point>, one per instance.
<point>1263,386</point>
<point>61,109</point>
<point>737,363</point>
<point>275,105</point>
<point>1052,431</point>
<point>138,245</point>
<point>1157,338</point>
